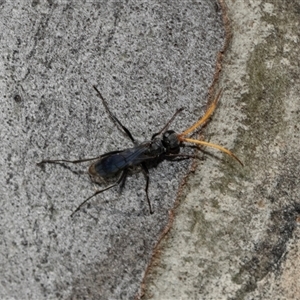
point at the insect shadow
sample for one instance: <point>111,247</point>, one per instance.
<point>164,145</point>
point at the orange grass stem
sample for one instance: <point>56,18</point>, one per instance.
<point>182,139</point>
<point>208,113</point>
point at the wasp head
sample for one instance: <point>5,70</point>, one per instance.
<point>171,142</point>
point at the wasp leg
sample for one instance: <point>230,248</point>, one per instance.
<point>77,161</point>
<point>113,117</point>
<point>181,156</point>
<point>146,173</point>
<point>59,161</point>
<point>120,179</point>
<point>123,181</point>
<point>168,124</point>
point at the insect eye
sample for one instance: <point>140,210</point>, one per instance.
<point>170,141</point>
<point>167,136</point>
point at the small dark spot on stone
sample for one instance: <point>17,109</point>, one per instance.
<point>17,98</point>
<point>35,3</point>
<point>24,243</point>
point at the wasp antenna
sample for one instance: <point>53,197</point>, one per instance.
<point>208,113</point>
<point>212,146</point>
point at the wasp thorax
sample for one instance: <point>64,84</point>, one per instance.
<point>156,147</point>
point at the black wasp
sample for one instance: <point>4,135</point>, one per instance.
<point>164,144</point>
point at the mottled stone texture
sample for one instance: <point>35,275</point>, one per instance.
<point>148,58</point>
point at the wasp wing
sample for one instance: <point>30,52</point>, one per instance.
<point>115,162</point>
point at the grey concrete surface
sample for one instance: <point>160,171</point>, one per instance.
<point>148,58</point>
<point>236,232</point>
